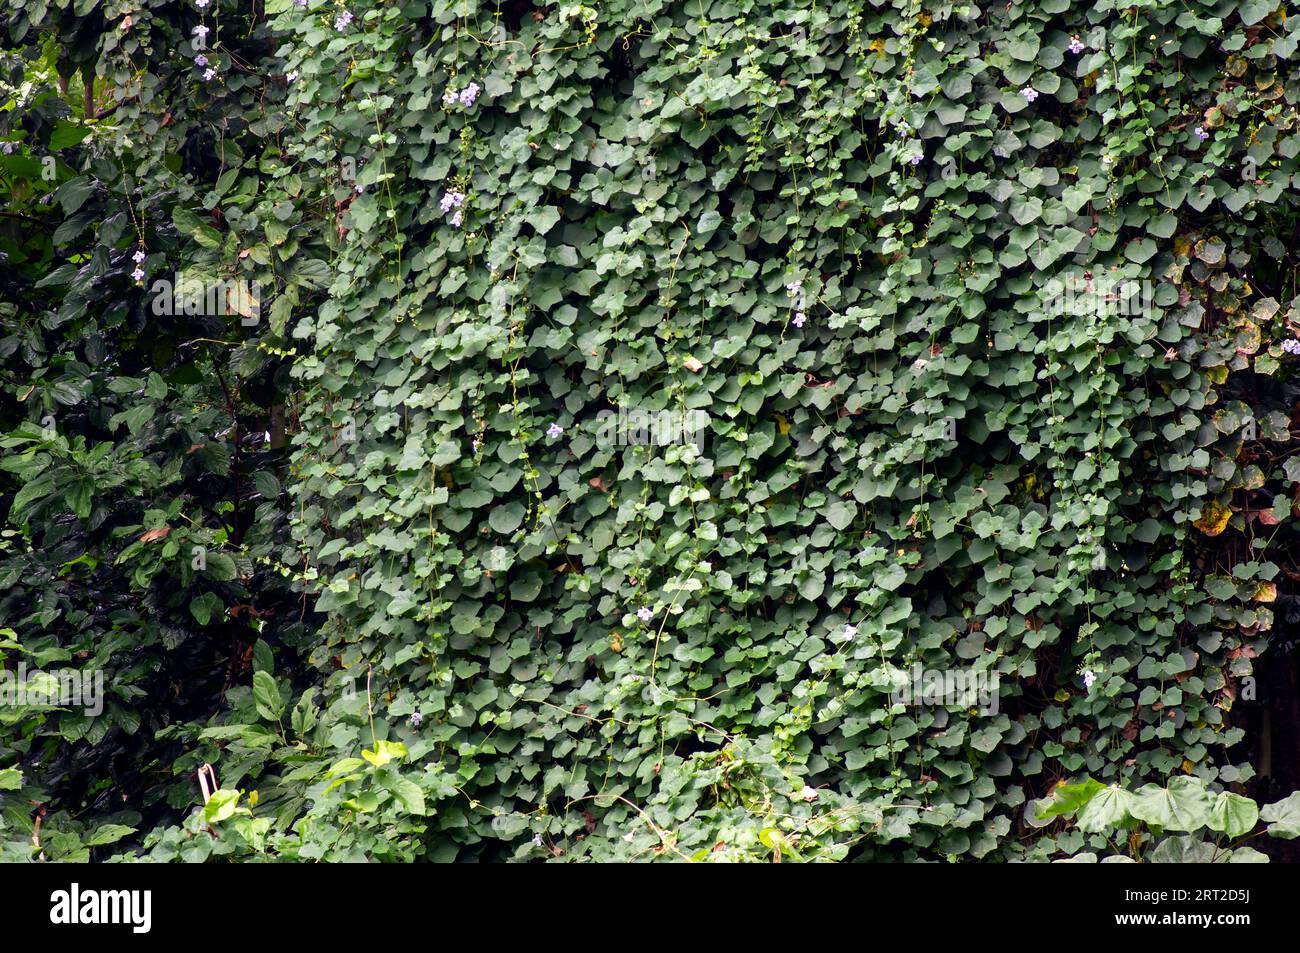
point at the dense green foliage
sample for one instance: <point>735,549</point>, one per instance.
<point>450,618</point>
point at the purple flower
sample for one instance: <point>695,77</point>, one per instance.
<point>793,288</point>
<point>451,200</point>
<point>137,275</point>
<point>360,188</point>
<point>469,94</point>
<point>449,96</point>
<point>1076,45</point>
<point>342,20</point>
<point>1291,346</point>
<point>1088,678</point>
<point>138,256</point>
<point>292,76</point>
<point>915,160</point>
<point>301,3</point>
<point>417,719</point>
<point>644,614</point>
<point>208,75</point>
<point>200,60</point>
<point>554,430</point>
<point>799,319</point>
<point>1029,93</point>
<point>457,218</point>
<point>200,31</point>
<point>1201,133</point>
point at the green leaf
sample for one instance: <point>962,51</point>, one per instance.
<point>1107,809</point>
<point>408,793</point>
<point>266,695</point>
<point>108,834</point>
<point>220,806</point>
<point>1233,814</point>
<point>1069,798</point>
<point>1182,806</point>
<point>1283,817</point>
<point>385,751</point>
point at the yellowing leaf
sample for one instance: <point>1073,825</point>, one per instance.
<point>1214,518</point>
<point>1266,592</point>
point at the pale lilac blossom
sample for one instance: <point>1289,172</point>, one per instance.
<point>644,614</point>
<point>554,430</point>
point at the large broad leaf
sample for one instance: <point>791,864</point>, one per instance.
<point>1283,817</point>
<point>1183,806</point>
<point>1233,814</point>
<point>1187,850</point>
<point>1107,809</point>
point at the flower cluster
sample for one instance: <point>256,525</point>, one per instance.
<point>1029,93</point>
<point>795,290</point>
<point>342,20</point>
<point>138,257</point>
<point>466,97</point>
<point>1291,346</point>
<point>452,202</point>
<point>1201,133</point>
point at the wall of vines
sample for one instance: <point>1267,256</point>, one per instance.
<point>451,618</point>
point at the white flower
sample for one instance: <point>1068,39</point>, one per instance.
<point>850,632</point>
<point>1088,678</point>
